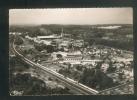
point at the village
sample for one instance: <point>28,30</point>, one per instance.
<point>71,58</point>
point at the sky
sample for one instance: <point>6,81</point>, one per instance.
<point>90,16</point>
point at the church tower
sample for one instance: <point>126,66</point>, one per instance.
<point>62,33</point>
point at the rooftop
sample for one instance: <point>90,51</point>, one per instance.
<point>48,37</point>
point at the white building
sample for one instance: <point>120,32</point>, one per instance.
<point>48,37</point>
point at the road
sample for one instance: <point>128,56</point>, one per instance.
<point>116,87</point>
<point>82,89</point>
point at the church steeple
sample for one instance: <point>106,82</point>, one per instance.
<point>62,33</point>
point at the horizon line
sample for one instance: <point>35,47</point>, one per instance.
<point>73,24</point>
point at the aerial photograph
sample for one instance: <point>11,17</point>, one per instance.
<point>71,51</point>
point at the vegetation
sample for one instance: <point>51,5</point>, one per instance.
<point>17,65</point>
<point>70,72</point>
<point>96,79</point>
<point>79,67</point>
<point>90,33</point>
<point>18,41</point>
<point>120,44</point>
<point>92,77</point>
<point>33,86</point>
<point>11,38</point>
<point>28,84</point>
<point>41,47</point>
<point>59,56</point>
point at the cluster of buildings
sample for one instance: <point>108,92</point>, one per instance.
<point>61,43</point>
<point>74,53</point>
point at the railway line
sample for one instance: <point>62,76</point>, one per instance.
<point>82,89</point>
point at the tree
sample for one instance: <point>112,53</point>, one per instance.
<point>50,48</point>
<point>59,56</point>
<point>18,41</point>
<point>40,47</point>
<point>79,67</point>
<point>95,78</point>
